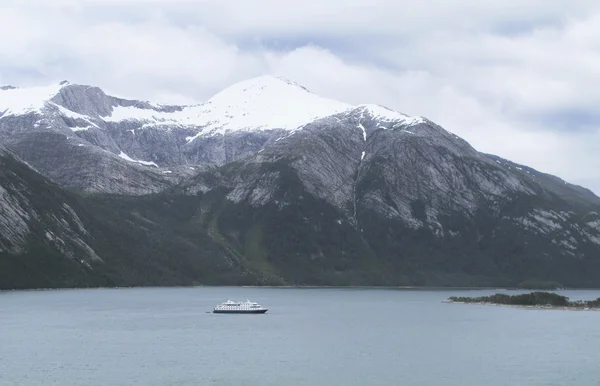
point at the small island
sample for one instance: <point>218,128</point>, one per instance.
<point>531,300</point>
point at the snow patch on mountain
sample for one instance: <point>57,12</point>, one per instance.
<point>364,132</point>
<point>84,128</point>
<point>128,158</point>
<point>384,114</point>
<point>68,113</point>
<point>19,101</point>
<point>133,113</point>
<point>72,114</point>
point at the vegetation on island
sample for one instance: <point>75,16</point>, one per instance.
<point>546,299</point>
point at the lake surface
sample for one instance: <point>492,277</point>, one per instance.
<point>316,337</point>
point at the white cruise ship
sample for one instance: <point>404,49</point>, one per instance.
<point>246,307</point>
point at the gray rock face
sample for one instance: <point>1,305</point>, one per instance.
<point>27,210</point>
<point>418,161</point>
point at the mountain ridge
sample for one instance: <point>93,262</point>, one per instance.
<point>55,100</point>
<point>265,91</point>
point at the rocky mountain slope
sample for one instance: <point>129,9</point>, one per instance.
<point>41,234</point>
<point>54,238</point>
<point>287,187</point>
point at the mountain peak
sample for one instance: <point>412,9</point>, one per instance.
<point>265,102</point>
<point>264,86</point>
<point>266,81</point>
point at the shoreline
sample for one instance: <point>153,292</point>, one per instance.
<point>365,287</point>
<point>537,307</point>
<point>251,286</point>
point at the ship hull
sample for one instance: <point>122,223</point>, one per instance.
<point>239,311</point>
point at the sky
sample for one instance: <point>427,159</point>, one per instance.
<point>516,78</point>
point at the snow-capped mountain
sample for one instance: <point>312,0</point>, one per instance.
<point>297,188</point>
<point>262,103</point>
<point>159,144</point>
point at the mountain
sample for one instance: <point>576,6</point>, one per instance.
<point>285,187</point>
<point>86,140</point>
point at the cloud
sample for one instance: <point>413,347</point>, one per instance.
<point>513,78</point>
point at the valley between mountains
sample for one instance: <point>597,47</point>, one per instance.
<point>267,183</point>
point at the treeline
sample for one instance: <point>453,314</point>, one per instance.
<point>530,299</point>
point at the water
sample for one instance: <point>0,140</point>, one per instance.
<point>309,337</point>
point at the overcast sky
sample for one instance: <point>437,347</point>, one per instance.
<point>517,78</point>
